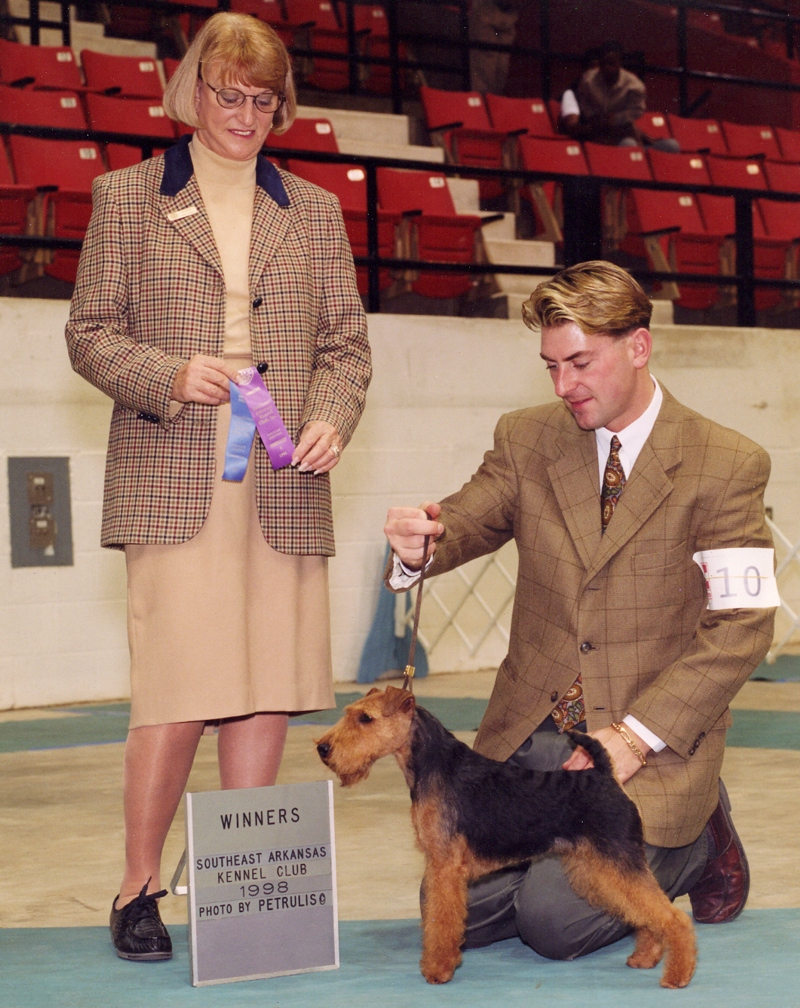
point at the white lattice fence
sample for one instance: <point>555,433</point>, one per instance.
<point>466,613</point>
<point>787,622</point>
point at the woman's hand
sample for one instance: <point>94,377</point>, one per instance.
<point>626,762</point>
<point>319,448</point>
<point>203,380</point>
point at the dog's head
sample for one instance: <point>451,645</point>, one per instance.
<point>375,726</point>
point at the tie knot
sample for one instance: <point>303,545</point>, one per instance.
<point>615,444</point>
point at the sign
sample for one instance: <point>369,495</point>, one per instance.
<point>739,577</point>
<point>262,882</point>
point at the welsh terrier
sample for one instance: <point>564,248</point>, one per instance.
<point>474,815</point>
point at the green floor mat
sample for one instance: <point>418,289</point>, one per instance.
<point>749,962</point>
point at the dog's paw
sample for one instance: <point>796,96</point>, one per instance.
<point>675,983</point>
<point>644,959</point>
<point>436,971</point>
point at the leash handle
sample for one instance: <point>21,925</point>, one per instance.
<point>410,669</point>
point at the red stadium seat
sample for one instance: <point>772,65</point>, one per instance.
<point>781,220</point>
<point>511,114</point>
<point>70,166</point>
<point>269,11</point>
<point>14,203</point>
<point>123,155</point>
<point>265,10</point>
<point>770,254</point>
<point>372,26</point>
<point>322,14</point>
<point>739,172</point>
<point>563,156</point>
<point>129,76</point>
<point>617,162</point>
<point>67,215</point>
<point>371,18</point>
<point>62,109</point>
<point>471,140</point>
<point>747,141</point>
<point>686,169</point>
<point>66,164</point>
<point>782,177</point>
<point>307,134</point>
<point>438,233</point>
<point>670,227</point>
<point>697,134</point>
<point>654,125</point>
<point>789,141</point>
<point>42,66</point>
<point>142,116</point>
<point>348,183</point>
<point>317,25</point>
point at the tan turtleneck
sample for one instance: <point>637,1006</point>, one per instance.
<point>228,190</point>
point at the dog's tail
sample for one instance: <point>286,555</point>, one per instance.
<point>600,758</point>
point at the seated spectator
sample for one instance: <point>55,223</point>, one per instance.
<point>610,100</point>
<point>569,103</point>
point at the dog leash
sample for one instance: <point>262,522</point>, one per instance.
<point>409,672</point>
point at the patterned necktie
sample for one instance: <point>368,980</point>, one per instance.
<point>613,483</point>
<point>570,709</point>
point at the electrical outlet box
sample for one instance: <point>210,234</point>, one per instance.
<point>40,512</point>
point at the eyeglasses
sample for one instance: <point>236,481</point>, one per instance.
<point>231,98</point>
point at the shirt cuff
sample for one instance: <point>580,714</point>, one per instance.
<point>401,576</point>
<point>644,734</point>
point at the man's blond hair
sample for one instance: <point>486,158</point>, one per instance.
<point>240,50</point>
<point>597,296</point>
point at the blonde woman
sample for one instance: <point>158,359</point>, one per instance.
<point>196,264</point>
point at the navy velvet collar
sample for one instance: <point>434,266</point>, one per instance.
<point>178,169</point>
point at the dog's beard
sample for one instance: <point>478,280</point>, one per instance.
<point>351,777</point>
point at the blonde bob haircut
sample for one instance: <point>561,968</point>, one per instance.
<point>597,296</point>
<point>241,50</point>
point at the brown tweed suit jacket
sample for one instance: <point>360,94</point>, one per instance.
<point>150,294</point>
<point>634,594</point>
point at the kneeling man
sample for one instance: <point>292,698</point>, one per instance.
<point>608,494</point>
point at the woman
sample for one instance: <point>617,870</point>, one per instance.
<point>196,264</point>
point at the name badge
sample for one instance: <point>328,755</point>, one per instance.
<point>739,578</point>
<point>188,211</point>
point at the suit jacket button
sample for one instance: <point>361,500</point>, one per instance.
<point>586,647</point>
<point>258,302</point>
<point>554,696</point>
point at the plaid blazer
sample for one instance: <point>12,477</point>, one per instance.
<point>634,594</point>
<point>150,294</point>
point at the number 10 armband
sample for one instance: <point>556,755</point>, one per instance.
<point>740,578</point>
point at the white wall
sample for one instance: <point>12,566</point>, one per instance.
<point>440,385</point>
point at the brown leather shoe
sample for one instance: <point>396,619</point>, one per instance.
<point>721,892</point>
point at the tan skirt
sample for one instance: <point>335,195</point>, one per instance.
<point>223,625</point>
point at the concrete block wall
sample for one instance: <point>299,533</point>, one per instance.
<point>439,387</point>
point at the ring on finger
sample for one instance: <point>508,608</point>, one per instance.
<point>336,451</point>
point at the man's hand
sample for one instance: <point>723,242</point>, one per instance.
<point>203,380</point>
<point>406,529</point>
<point>319,448</point>
<point>626,762</point>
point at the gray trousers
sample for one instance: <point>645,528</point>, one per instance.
<point>537,903</point>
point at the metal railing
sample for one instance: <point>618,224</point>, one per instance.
<point>461,46</point>
<point>583,225</point>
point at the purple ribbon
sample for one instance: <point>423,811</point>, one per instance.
<point>266,417</point>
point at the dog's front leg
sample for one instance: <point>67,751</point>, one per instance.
<point>444,913</point>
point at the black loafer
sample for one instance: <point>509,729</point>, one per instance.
<point>721,892</point>
<point>137,931</point>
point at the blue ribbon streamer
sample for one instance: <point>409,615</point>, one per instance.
<point>240,438</point>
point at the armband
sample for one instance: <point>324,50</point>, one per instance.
<point>739,578</point>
